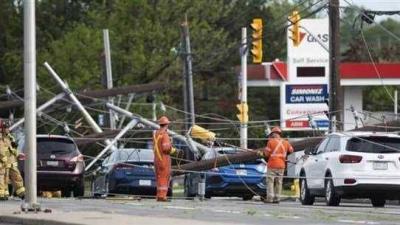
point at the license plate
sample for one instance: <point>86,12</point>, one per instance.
<point>145,182</point>
<point>52,163</point>
<point>380,165</point>
<point>241,172</point>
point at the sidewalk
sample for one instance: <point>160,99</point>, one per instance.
<point>10,213</point>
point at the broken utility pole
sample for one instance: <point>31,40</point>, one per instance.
<point>90,94</point>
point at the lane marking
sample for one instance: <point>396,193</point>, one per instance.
<point>179,207</point>
<point>225,211</point>
<point>359,222</point>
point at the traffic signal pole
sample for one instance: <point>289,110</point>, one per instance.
<point>243,81</point>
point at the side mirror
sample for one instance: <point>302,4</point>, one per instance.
<point>310,151</point>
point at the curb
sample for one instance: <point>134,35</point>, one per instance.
<point>32,221</point>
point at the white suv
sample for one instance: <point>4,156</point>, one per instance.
<point>352,165</point>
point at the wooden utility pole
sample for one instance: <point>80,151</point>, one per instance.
<point>335,91</point>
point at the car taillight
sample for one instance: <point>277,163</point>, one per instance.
<point>349,181</point>
<point>78,158</point>
<point>350,159</point>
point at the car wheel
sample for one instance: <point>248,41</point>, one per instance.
<point>79,190</point>
<point>378,202</point>
<point>207,196</point>
<point>247,197</point>
<point>66,193</point>
<point>305,196</point>
<point>331,197</point>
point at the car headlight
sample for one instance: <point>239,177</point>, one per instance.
<point>261,168</point>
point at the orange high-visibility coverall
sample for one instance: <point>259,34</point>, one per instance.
<point>162,162</point>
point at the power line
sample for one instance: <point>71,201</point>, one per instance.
<point>367,17</point>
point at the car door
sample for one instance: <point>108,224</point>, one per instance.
<point>323,158</point>
<point>313,163</point>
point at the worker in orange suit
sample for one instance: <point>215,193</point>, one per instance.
<point>275,153</point>
<point>162,160</point>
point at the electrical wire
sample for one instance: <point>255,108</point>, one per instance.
<point>375,68</point>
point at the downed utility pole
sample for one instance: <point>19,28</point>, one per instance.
<point>39,109</point>
<point>71,95</point>
<point>216,162</point>
<point>129,126</point>
<point>90,94</point>
<point>203,149</point>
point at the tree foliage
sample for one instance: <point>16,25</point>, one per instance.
<point>145,38</point>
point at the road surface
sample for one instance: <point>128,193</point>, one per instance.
<point>219,211</point>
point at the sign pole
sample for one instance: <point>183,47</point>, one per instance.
<point>243,80</point>
<point>30,203</point>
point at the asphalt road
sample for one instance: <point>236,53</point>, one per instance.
<point>232,211</point>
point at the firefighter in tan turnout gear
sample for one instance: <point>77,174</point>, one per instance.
<point>10,164</point>
<point>3,165</point>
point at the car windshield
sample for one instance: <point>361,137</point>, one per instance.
<point>135,155</point>
<point>55,145</point>
<point>374,144</point>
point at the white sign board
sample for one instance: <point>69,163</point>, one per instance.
<point>304,95</point>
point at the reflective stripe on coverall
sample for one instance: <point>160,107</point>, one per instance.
<point>162,162</point>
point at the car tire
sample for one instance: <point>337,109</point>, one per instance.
<point>331,197</point>
<point>66,192</point>
<point>306,197</point>
<point>247,197</point>
<point>378,202</point>
<point>207,196</point>
<point>79,190</point>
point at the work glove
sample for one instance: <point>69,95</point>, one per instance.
<point>176,152</point>
<point>260,154</point>
<point>21,156</point>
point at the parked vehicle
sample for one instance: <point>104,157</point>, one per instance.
<point>60,165</point>
<point>237,180</point>
<point>352,165</point>
<point>127,171</point>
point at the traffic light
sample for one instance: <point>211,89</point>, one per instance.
<point>295,30</point>
<point>256,43</point>
<point>243,112</point>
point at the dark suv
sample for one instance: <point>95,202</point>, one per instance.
<point>60,165</point>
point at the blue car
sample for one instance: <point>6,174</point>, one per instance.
<point>127,171</point>
<point>237,180</point>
